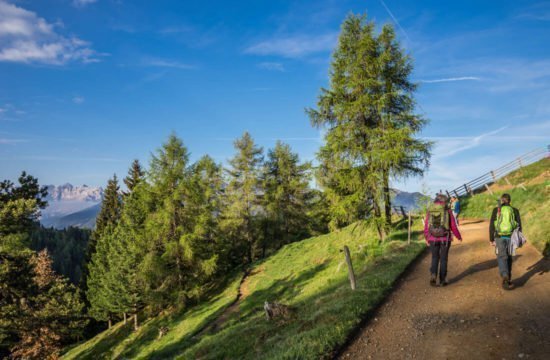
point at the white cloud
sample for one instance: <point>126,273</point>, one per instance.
<point>78,100</point>
<point>454,145</point>
<point>167,63</point>
<point>27,38</point>
<point>82,3</point>
<point>461,78</point>
<point>5,141</point>
<point>294,46</point>
<point>272,66</point>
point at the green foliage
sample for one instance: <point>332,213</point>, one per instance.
<point>370,125</point>
<point>134,177</point>
<point>286,197</point>
<point>241,216</point>
<point>67,248</point>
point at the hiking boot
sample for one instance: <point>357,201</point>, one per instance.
<point>443,283</point>
<point>433,281</point>
<point>505,282</point>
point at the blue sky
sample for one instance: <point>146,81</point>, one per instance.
<point>86,86</point>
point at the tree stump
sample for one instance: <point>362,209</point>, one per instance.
<point>275,310</point>
<point>162,331</point>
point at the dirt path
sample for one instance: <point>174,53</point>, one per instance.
<point>472,318</point>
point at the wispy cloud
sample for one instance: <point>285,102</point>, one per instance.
<point>167,63</point>
<point>453,146</point>
<point>272,66</point>
<point>395,20</point>
<point>78,100</point>
<point>294,46</point>
<point>460,78</point>
<point>82,3</point>
<point>6,141</point>
<point>27,38</point>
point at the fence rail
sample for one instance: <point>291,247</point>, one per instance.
<point>492,176</point>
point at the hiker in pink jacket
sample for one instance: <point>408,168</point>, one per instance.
<point>439,228</point>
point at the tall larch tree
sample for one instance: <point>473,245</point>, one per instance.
<point>367,115</point>
<point>134,177</point>
<point>243,199</point>
<point>287,194</point>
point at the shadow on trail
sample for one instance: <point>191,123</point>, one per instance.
<point>539,268</point>
<point>482,266</point>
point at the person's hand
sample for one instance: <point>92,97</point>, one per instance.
<point>492,243</point>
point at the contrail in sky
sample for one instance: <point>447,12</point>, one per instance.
<point>395,20</point>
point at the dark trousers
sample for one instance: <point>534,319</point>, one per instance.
<point>440,255</point>
<point>503,257</point>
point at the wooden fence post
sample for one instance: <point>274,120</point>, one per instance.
<point>409,236</point>
<point>489,189</point>
<point>494,176</point>
<point>351,274</point>
<point>507,181</point>
<point>520,163</point>
<point>466,188</point>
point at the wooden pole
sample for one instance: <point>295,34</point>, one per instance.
<point>135,322</point>
<point>125,320</point>
<point>493,175</point>
<point>489,189</point>
<point>507,181</point>
<point>351,274</point>
<point>409,237</point>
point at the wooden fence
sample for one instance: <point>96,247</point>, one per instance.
<point>492,176</point>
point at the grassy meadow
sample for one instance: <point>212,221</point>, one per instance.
<point>309,276</point>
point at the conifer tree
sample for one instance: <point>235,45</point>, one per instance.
<point>243,201</point>
<point>135,175</point>
<point>111,207</point>
<point>169,261</point>
<point>368,114</point>
<point>286,184</point>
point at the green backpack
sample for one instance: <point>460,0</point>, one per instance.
<point>438,220</point>
<point>506,221</point>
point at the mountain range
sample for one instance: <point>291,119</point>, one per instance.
<point>70,205</point>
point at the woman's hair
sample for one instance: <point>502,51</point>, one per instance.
<point>440,198</point>
<point>506,198</point>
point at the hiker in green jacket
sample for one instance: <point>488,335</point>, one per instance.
<point>504,220</point>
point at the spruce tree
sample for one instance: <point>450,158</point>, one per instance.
<point>243,199</point>
<point>286,184</point>
<point>135,175</point>
<point>111,207</point>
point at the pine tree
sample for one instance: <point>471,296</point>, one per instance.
<point>367,112</point>
<point>135,175</point>
<point>243,202</point>
<point>107,219</point>
<point>111,207</point>
<point>286,184</point>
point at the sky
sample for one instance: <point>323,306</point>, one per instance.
<point>86,86</point>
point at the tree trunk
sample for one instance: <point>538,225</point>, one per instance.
<point>136,327</point>
<point>387,197</point>
<point>125,319</point>
<point>378,216</point>
<point>110,323</point>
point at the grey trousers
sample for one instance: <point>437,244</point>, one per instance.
<point>503,256</point>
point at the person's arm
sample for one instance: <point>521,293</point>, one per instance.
<point>518,218</point>
<point>454,227</point>
<point>492,225</point>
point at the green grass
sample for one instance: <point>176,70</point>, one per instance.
<point>122,342</point>
<point>310,276</point>
<point>533,203</point>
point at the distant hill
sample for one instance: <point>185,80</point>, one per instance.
<point>409,201</point>
<point>70,205</point>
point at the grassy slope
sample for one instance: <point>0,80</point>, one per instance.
<point>310,276</point>
<point>534,203</point>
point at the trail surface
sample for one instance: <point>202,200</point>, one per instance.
<point>471,318</point>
